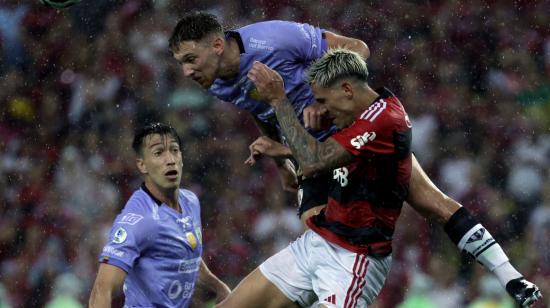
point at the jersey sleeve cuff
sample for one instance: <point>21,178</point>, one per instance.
<point>115,262</point>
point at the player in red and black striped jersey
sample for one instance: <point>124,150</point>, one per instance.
<point>344,259</point>
<point>366,195</point>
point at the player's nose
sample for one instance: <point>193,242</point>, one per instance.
<point>187,70</point>
<point>170,159</point>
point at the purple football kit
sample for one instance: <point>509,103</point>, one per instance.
<point>159,249</point>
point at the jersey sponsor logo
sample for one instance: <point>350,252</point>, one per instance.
<point>131,219</point>
<point>341,175</point>
<point>361,140</point>
<point>189,266</point>
<point>177,288</point>
<point>478,235</point>
<point>259,44</point>
<point>113,251</point>
<point>120,236</point>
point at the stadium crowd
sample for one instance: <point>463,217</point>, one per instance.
<point>473,75</point>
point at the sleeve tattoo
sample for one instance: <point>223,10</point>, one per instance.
<point>312,155</point>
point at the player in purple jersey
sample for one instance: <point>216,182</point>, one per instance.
<point>155,244</point>
<point>219,62</point>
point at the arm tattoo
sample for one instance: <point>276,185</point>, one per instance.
<point>310,153</point>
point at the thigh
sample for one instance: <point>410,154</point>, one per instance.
<point>283,280</point>
<point>256,291</point>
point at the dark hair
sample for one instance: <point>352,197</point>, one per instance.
<point>194,26</point>
<point>151,129</point>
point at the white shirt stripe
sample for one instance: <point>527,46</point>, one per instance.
<point>379,110</point>
<point>374,110</point>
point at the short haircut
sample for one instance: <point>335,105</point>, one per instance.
<point>194,26</point>
<point>337,64</point>
<point>152,129</point>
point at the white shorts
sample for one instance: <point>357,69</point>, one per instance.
<point>311,270</point>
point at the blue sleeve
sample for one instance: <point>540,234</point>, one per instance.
<point>129,236</point>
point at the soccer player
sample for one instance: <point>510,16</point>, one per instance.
<point>219,62</point>
<point>344,259</point>
<point>155,243</point>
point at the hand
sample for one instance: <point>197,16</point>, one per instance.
<point>315,117</point>
<point>269,83</point>
<point>287,173</point>
<point>524,292</point>
<point>268,147</point>
<point>222,291</point>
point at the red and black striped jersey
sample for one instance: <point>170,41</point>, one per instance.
<point>366,196</point>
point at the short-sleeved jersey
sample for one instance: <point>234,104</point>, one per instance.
<point>366,196</point>
<point>287,47</point>
<point>158,247</point>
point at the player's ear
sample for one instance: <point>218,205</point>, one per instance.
<point>347,88</point>
<point>140,163</point>
<point>219,45</point>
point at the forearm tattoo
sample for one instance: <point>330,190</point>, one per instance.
<point>308,151</point>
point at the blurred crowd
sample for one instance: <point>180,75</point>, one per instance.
<point>473,75</point>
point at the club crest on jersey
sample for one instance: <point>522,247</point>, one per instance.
<point>254,94</point>
<point>478,235</point>
<point>120,236</point>
<point>191,239</point>
<point>361,140</point>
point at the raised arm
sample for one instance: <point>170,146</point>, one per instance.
<point>312,155</point>
<point>335,40</point>
<point>109,280</point>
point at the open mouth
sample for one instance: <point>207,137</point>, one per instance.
<point>172,174</point>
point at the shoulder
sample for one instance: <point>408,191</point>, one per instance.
<point>139,201</point>
<point>269,24</point>
<point>385,111</point>
<point>140,207</point>
<point>278,34</point>
<point>190,197</point>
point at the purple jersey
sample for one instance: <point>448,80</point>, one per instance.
<point>287,47</point>
<point>158,247</point>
